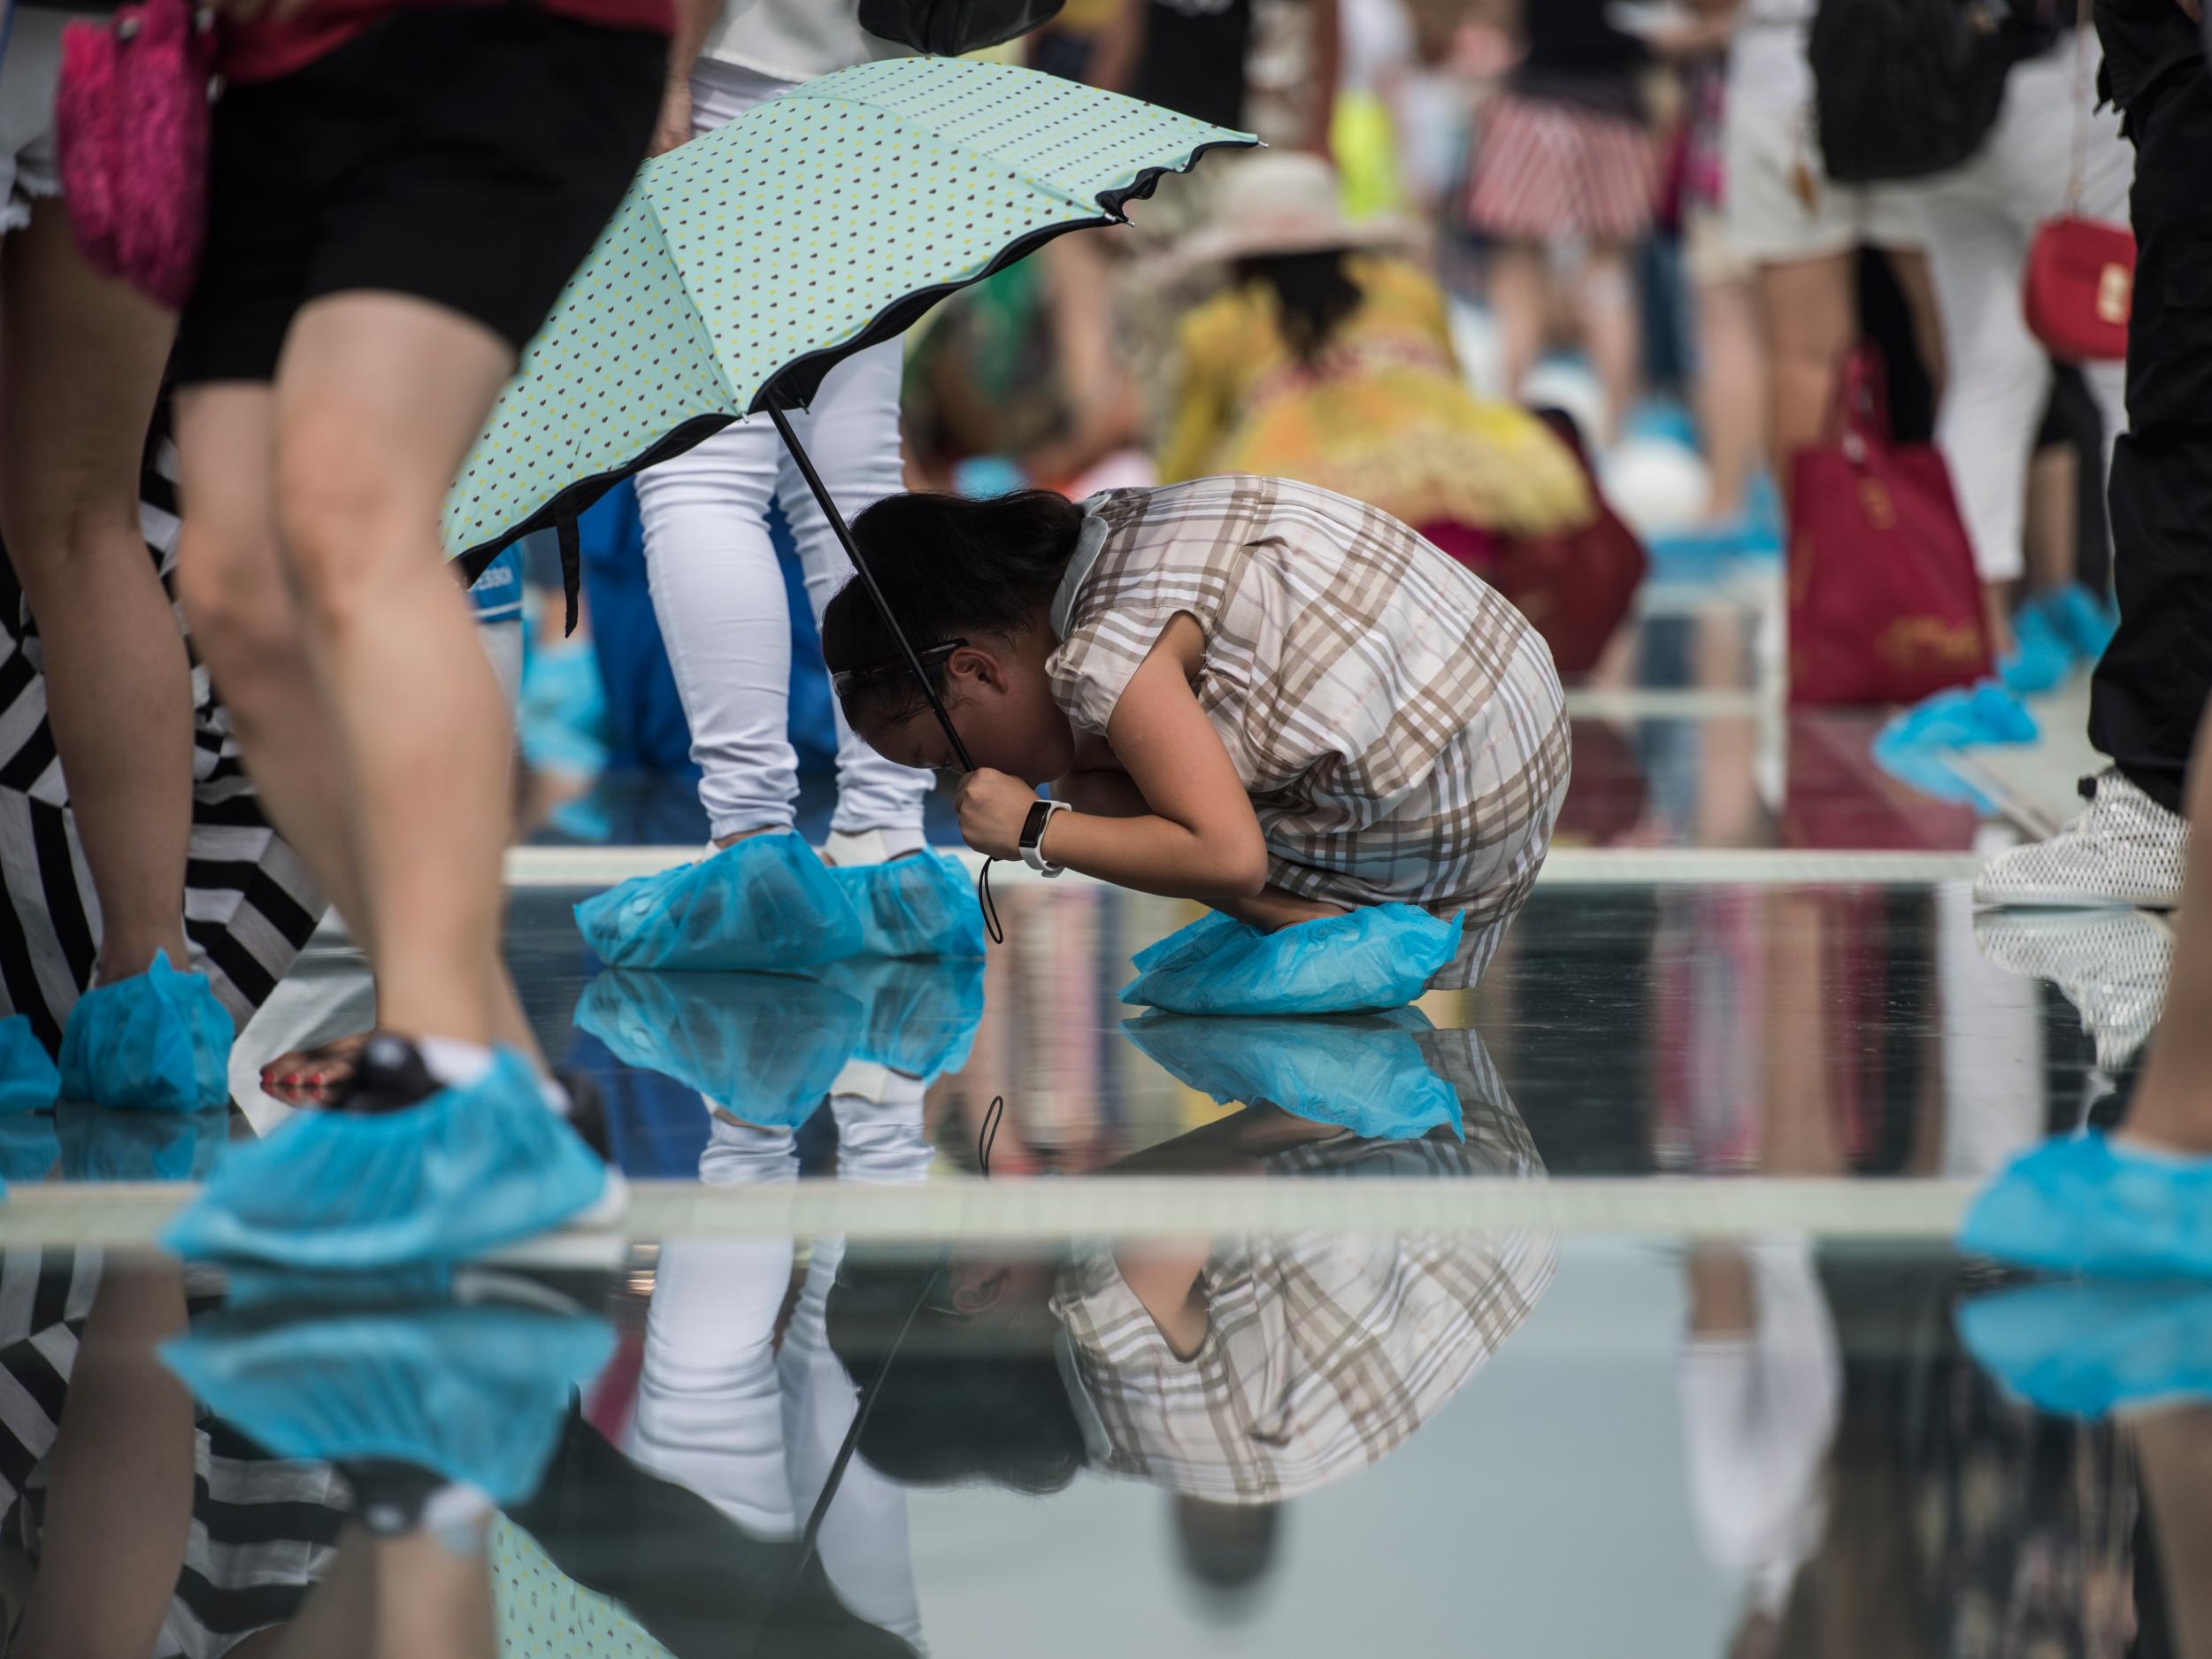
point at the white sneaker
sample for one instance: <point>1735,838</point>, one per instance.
<point>2124,849</point>
<point>2113,967</point>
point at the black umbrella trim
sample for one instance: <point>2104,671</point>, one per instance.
<point>798,381</point>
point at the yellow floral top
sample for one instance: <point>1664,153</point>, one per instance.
<point>1383,414</point>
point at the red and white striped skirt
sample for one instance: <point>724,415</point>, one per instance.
<point>1546,171</point>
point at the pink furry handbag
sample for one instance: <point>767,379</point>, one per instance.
<point>131,124</point>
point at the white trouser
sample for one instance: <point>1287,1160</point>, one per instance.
<point>719,593</point>
<point>1980,219</point>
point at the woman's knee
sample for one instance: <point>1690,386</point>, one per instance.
<point>342,521</point>
<point>236,602</point>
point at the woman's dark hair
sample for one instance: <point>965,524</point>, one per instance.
<point>961,1403</point>
<point>949,568</point>
<point>1314,294</point>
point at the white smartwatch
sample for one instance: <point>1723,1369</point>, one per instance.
<point>1034,835</point>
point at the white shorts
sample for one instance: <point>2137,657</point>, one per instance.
<point>29,169</point>
<point>1769,148</point>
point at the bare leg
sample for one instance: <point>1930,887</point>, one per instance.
<point>1611,329</point>
<point>1810,314</point>
<point>2172,1108</point>
<point>120,1507</point>
<point>1272,908</point>
<point>431,1602</point>
<point>2173,1460</point>
<point>1731,392</point>
<point>81,359</point>
<point>1519,301</point>
<point>378,398</point>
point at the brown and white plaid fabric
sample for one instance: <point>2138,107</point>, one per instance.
<point>1398,724</point>
<point>1322,1351</point>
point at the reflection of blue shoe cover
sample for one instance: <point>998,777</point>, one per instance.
<point>766,1048</point>
<point>464,1171</point>
<point>29,1149</point>
<point>109,1145</point>
<point>1362,1070</point>
<point>921,906</point>
<point>2083,1205</point>
<point>1379,957</point>
<point>28,1081</point>
<point>921,1016</point>
<point>2087,621</point>
<point>476,1394</point>
<point>1929,770</point>
<point>763,903</point>
<point>2086,1350</point>
<point>157,1041</point>
<point>2041,656</point>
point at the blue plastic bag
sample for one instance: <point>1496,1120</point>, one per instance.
<point>28,1080</point>
<point>921,906</point>
<point>466,1171</point>
<point>157,1041</point>
<point>766,1048</point>
<point>766,903</point>
<point>1365,1071</point>
<point>921,1017</point>
<point>1377,957</point>
<point>476,1394</point>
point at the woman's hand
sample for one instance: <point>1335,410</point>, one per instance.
<point>992,808</point>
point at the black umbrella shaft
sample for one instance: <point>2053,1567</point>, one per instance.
<point>868,577</point>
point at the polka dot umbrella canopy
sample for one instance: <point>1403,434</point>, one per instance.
<point>741,266</point>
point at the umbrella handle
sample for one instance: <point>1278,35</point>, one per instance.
<point>868,577</point>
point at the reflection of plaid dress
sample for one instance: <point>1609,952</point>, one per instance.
<point>1323,1351</point>
<point>248,906</point>
<point>1397,724</point>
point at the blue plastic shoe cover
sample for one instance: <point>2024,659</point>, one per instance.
<point>464,1171</point>
<point>763,903</point>
<point>921,906</point>
<point>766,1048</point>
<point>478,1394</point>
<point>921,1016</point>
<point>157,1041</point>
<point>1987,714</point>
<point>2042,655</point>
<point>30,1151</point>
<point>2086,1350</point>
<point>28,1081</point>
<point>1365,1071</point>
<point>97,1145</point>
<point>1377,957</point>
<point>2082,1205</point>
<point>2087,621</point>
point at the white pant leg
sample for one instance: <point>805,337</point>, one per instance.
<point>1980,222</point>
<point>718,594</point>
<point>851,433</point>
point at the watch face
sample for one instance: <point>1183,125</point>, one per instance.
<point>1033,825</point>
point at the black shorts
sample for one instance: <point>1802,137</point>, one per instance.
<point>467,155</point>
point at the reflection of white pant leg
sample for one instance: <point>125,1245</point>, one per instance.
<point>709,1406</point>
<point>851,433</point>
<point>880,1137</point>
<point>718,594</point>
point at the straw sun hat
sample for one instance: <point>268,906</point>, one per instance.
<point>1284,202</point>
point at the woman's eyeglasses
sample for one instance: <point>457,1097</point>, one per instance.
<point>932,657</point>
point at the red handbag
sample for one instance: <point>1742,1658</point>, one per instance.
<point>1576,587</point>
<point>131,124</point>
<point>1884,603</point>
<point>2080,276</point>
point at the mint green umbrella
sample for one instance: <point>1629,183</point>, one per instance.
<point>741,266</point>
